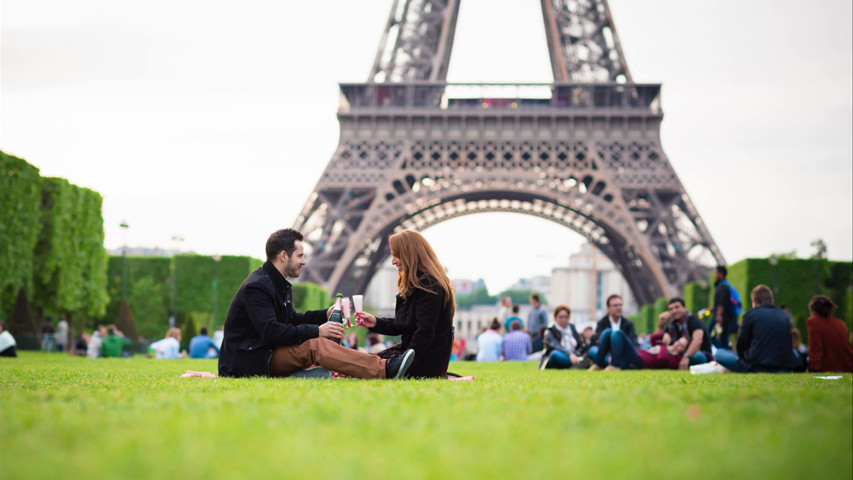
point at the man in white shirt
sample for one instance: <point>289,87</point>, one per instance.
<point>614,321</point>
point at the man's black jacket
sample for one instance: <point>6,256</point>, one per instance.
<point>261,317</point>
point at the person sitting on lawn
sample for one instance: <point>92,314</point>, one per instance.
<point>516,344</point>
<point>829,345</point>
<point>614,321</point>
<point>623,355</point>
<point>114,343</point>
<point>562,342</point>
<point>265,336</point>
<point>202,346</point>
<point>489,343</point>
<point>169,347</point>
<point>678,323</point>
<point>764,343</point>
<point>7,342</point>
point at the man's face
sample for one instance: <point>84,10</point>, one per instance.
<point>677,311</point>
<point>718,275</point>
<point>615,307</point>
<point>293,264</point>
<point>534,302</point>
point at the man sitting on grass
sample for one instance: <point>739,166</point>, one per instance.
<point>265,336</point>
<point>679,323</point>
<point>764,343</point>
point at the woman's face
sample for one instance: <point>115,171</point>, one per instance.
<point>562,318</point>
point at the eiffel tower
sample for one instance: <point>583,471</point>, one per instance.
<point>583,151</point>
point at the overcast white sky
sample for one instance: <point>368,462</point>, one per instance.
<point>213,120</point>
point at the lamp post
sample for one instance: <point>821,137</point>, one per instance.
<point>773,262</point>
<point>177,239</point>
<point>124,226</point>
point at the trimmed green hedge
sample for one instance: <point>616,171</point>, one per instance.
<point>20,200</point>
<point>309,296</point>
<point>794,281</point>
<point>200,277</point>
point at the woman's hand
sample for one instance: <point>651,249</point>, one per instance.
<point>366,319</point>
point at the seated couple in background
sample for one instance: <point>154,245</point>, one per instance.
<point>764,343</point>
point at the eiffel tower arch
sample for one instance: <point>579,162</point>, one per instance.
<point>583,151</point>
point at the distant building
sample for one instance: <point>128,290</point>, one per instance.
<point>586,283</point>
<point>464,286</point>
<point>539,283</point>
<point>381,294</point>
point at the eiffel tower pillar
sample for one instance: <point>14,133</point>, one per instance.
<point>583,152</point>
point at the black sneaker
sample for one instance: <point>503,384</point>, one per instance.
<point>397,365</point>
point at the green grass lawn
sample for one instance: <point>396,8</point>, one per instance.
<point>67,417</point>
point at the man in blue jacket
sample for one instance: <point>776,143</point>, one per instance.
<point>201,345</point>
<point>265,336</point>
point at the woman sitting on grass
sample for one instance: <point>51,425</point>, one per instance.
<point>425,306</point>
<point>829,345</point>
<point>623,355</point>
<point>564,348</point>
<point>169,347</point>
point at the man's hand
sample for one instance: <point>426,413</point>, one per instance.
<point>332,330</point>
<point>684,363</point>
<point>663,321</point>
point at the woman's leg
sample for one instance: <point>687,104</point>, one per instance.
<point>559,359</point>
<point>622,352</point>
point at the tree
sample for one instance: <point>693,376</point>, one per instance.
<point>125,321</point>
<point>151,303</point>
<point>20,192</point>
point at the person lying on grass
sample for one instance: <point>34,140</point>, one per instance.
<point>623,355</point>
<point>265,336</point>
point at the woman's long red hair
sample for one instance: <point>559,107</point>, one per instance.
<point>417,256</point>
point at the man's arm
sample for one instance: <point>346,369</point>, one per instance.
<point>663,321</point>
<point>695,346</point>
<point>744,338</point>
<point>261,313</point>
<point>632,332</point>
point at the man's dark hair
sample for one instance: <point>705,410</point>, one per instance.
<point>822,305</point>
<point>515,308</point>
<point>495,325</point>
<point>722,270</point>
<point>202,331</point>
<point>762,294</point>
<point>535,298</point>
<point>676,300</point>
<point>611,297</point>
<point>514,325</point>
<point>283,240</point>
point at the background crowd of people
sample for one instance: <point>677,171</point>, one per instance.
<point>767,340</point>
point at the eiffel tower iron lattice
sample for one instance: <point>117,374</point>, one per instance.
<point>583,151</point>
